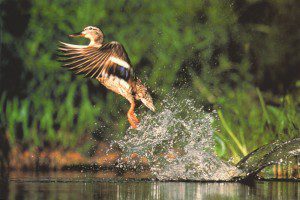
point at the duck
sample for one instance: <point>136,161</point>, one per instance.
<point>109,63</point>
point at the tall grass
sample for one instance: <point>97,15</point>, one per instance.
<point>247,122</point>
<point>39,122</point>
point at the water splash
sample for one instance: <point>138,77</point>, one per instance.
<point>178,143</point>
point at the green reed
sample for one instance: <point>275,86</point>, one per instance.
<point>247,122</point>
<point>38,121</point>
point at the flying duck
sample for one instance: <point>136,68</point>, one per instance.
<point>109,63</point>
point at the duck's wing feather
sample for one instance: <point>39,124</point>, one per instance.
<point>96,62</point>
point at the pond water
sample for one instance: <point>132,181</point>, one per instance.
<point>107,185</point>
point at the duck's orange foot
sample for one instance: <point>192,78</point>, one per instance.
<point>133,120</point>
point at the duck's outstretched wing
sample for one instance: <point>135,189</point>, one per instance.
<point>96,62</point>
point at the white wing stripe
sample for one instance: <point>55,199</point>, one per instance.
<point>120,62</point>
<point>74,45</point>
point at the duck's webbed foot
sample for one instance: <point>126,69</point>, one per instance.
<point>133,120</point>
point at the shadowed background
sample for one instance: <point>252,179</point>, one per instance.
<point>238,57</point>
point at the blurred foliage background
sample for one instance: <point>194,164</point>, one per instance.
<point>239,57</point>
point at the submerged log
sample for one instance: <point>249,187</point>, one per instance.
<point>270,154</point>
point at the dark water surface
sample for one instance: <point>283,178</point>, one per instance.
<point>107,185</point>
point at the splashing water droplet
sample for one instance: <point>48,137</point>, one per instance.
<point>178,143</point>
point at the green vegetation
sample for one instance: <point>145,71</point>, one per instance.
<point>237,57</point>
<point>248,123</point>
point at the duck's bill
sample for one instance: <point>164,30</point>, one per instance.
<point>148,103</point>
<point>79,34</point>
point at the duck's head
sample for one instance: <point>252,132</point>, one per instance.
<point>93,33</point>
<point>143,95</point>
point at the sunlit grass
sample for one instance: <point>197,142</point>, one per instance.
<point>34,122</point>
<point>248,122</point>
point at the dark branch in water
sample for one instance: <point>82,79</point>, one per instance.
<point>270,154</point>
